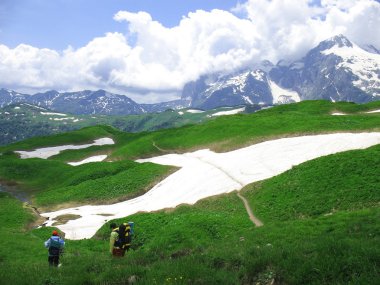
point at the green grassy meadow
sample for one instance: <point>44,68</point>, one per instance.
<point>321,218</point>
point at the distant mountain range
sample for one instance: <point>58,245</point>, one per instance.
<point>83,102</point>
<point>335,70</point>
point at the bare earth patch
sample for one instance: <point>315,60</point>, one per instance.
<point>63,219</point>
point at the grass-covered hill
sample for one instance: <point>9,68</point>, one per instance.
<point>21,121</point>
<point>321,218</point>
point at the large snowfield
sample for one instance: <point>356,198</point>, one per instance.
<point>205,173</point>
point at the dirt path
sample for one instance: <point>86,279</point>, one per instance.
<point>160,149</point>
<point>252,217</point>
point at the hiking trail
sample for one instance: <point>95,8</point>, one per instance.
<point>160,149</point>
<point>252,217</point>
<point>248,208</point>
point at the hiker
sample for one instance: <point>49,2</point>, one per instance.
<point>120,238</point>
<point>55,246</point>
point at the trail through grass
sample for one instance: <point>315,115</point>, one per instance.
<point>251,216</point>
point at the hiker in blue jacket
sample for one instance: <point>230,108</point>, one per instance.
<point>55,246</point>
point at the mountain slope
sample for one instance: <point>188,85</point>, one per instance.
<point>248,87</point>
<point>335,70</point>
<point>87,102</point>
<point>8,97</point>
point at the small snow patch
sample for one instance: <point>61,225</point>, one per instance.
<point>47,152</point>
<point>374,111</point>
<point>338,114</point>
<point>62,119</point>
<point>96,158</point>
<point>52,114</point>
<point>193,111</point>
<point>231,112</point>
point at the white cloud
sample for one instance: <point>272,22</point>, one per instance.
<point>291,27</point>
<point>153,59</point>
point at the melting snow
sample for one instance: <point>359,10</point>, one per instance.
<point>96,158</point>
<point>205,173</point>
<point>375,111</point>
<point>46,152</point>
<point>52,114</point>
<point>193,111</point>
<point>231,112</point>
<point>62,119</point>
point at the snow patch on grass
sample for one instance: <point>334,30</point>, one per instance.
<point>374,111</point>
<point>52,114</point>
<point>231,112</point>
<point>193,111</point>
<point>47,152</point>
<point>95,158</point>
<point>205,173</point>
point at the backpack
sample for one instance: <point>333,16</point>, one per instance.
<point>55,247</point>
<point>124,236</point>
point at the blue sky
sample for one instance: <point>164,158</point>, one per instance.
<point>56,24</point>
<point>149,49</point>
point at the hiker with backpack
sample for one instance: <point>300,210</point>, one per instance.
<point>55,246</point>
<point>120,238</point>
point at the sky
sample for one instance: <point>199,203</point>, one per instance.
<point>148,49</point>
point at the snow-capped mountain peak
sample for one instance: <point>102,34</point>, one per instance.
<point>338,41</point>
<point>364,65</point>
